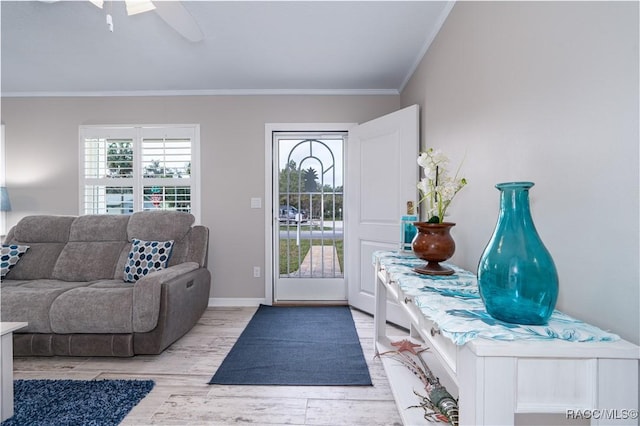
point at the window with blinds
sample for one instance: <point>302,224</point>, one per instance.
<point>128,169</point>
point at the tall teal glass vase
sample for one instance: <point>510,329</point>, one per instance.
<point>517,277</point>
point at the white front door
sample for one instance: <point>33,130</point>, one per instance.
<point>381,178</point>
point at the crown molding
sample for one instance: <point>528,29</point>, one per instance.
<point>214,92</point>
<point>427,44</point>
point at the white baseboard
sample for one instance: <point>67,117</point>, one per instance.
<point>235,301</point>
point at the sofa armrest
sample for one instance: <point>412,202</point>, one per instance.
<point>146,294</point>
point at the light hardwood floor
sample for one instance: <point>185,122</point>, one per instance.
<point>182,396</point>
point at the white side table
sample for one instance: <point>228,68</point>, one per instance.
<point>6,370</point>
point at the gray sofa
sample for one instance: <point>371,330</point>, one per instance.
<point>69,285</point>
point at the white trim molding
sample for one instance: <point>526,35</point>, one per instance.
<point>214,92</point>
<point>427,44</point>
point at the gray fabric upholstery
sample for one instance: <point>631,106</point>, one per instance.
<point>93,310</point>
<point>73,345</point>
<point>102,227</point>
<point>179,251</point>
<point>88,261</point>
<point>46,237</point>
<point>69,285</point>
<point>146,295</point>
<point>159,226</point>
<point>184,298</point>
<point>94,248</point>
<point>37,263</point>
<point>164,227</point>
<point>31,302</point>
<point>198,246</point>
<point>122,260</point>
<point>32,344</point>
<point>44,229</point>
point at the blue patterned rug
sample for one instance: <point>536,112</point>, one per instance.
<point>75,402</point>
<point>312,346</point>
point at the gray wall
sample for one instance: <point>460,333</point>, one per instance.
<point>42,160</point>
<point>547,92</point>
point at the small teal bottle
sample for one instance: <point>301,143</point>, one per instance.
<point>517,277</point>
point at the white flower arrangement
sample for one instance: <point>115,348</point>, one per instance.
<point>437,187</point>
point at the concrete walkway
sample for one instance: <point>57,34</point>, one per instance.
<point>320,262</point>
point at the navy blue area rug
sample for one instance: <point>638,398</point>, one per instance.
<point>309,346</point>
<point>75,402</point>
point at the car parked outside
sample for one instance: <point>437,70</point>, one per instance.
<point>291,214</point>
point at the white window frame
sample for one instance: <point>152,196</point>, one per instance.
<point>137,133</point>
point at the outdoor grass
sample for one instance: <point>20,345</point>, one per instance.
<point>295,254</point>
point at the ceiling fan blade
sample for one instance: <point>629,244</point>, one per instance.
<point>137,6</point>
<point>178,18</point>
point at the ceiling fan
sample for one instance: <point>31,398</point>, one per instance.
<point>172,12</point>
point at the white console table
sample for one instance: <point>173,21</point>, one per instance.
<point>493,378</point>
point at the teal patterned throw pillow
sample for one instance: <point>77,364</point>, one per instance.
<point>11,254</point>
<point>146,257</point>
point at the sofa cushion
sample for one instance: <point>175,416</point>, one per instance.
<point>37,263</point>
<point>10,255</point>
<point>103,227</point>
<point>88,261</point>
<point>122,261</point>
<point>11,283</point>
<point>146,257</point>
<point>96,308</point>
<point>46,236</point>
<point>43,229</point>
<point>159,225</point>
<point>30,302</point>
<point>198,246</point>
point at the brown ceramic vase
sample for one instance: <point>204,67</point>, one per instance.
<point>433,243</point>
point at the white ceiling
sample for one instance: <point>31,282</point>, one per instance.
<point>65,48</point>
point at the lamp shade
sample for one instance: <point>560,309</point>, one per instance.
<point>5,203</point>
